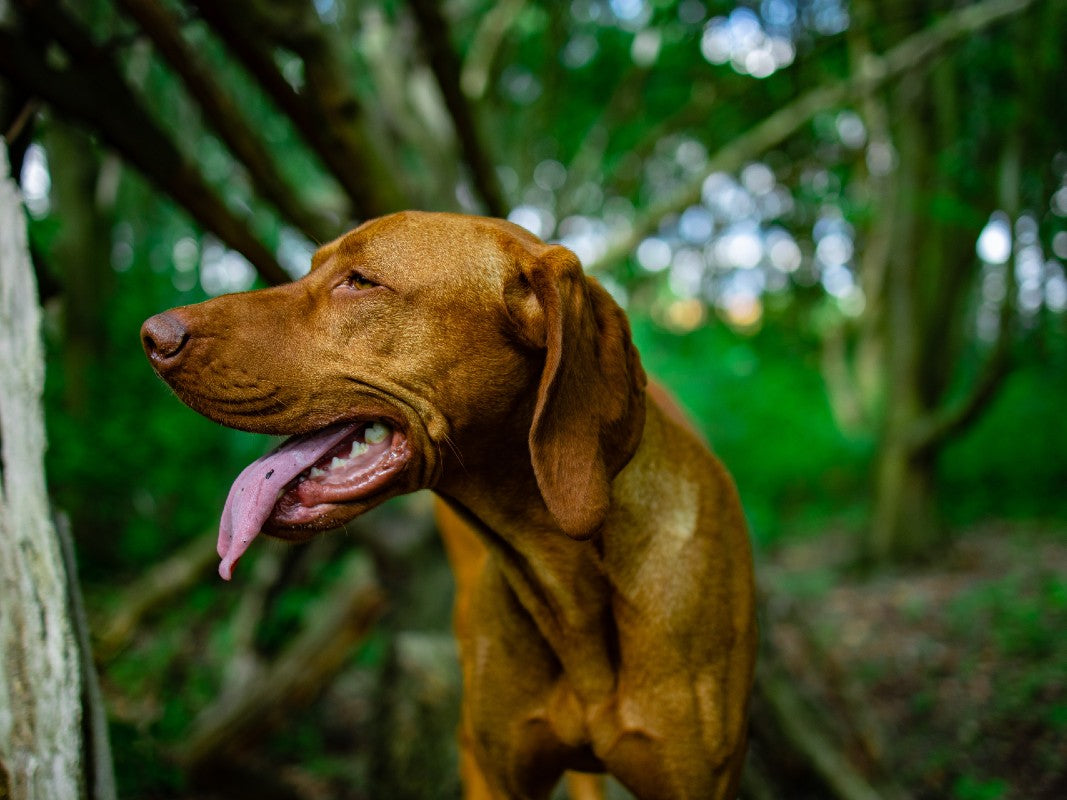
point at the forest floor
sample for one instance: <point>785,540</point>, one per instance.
<point>946,681</point>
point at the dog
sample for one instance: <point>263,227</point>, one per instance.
<point>604,604</point>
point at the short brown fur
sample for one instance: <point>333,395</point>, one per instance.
<point>604,600</point>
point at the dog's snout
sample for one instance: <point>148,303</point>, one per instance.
<point>164,337</point>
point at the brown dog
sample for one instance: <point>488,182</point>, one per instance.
<point>605,602</point>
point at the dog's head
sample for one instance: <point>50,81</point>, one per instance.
<point>414,345</point>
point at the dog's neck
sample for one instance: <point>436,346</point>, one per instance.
<point>563,584</point>
<point>560,584</point>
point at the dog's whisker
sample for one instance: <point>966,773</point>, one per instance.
<point>455,450</point>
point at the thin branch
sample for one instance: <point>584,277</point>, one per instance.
<point>18,115</point>
<point>245,663</point>
<point>932,432</point>
<point>23,120</point>
<point>806,735</point>
<point>326,113</point>
<point>911,54</point>
<point>474,76</point>
<point>92,90</point>
<point>703,98</point>
<point>342,620</point>
<point>433,28</point>
<point>154,589</point>
<point>224,116</point>
<point>846,403</point>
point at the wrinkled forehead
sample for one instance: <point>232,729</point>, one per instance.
<point>438,246</point>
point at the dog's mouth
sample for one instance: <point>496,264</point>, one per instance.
<point>310,482</point>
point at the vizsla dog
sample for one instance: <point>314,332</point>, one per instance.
<point>604,581</point>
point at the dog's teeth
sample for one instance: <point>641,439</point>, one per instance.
<point>376,433</point>
<point>337,463</point>
<point>317,473</point>
<point>358,449</point>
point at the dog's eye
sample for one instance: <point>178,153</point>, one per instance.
<point>358,281</point>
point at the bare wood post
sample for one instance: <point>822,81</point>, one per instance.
<point>40,683</point>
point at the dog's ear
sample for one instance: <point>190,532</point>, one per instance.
<point>590,409</point>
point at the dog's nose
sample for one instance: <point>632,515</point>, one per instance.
<point>164,337</point>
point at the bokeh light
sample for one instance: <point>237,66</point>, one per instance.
<point>36,181</point>
<point>994,242</point>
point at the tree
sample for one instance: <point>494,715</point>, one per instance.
<point>46,682</point>
<point>905,380</point>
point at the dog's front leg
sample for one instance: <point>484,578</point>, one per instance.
<point>515,743</point>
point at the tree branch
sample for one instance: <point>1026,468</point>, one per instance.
<point>224,116</point>
<point>932,432</point>
<point>41,739</point>
<point>881,190</point>
<point>846,402</point>
<point>806,735</point>
<point>474,76</point>
<point>433,28</point>
<point>326,113</point>
<point>92,90</point>
<point>154,589</point>
<point>911,54</point>
<point>296,677</point>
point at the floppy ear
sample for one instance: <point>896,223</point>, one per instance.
<point>590,409</point>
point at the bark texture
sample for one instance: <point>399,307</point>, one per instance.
<point>40,684</point>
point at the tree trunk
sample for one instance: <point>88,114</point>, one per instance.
<point>905,524</point>
<point>40,686</point>
<point>931,267</point>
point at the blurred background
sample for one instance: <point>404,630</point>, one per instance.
<point>839,229</point>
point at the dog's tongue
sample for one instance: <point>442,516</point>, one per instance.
<point>258,487</point>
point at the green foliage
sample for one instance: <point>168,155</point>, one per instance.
<point>1024,618</point>
<point>1011,462</point>
<point>142,767</point>
<point>968,788</point>
<point>1016,622</point>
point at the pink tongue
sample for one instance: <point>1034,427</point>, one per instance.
<point>258,487</point>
